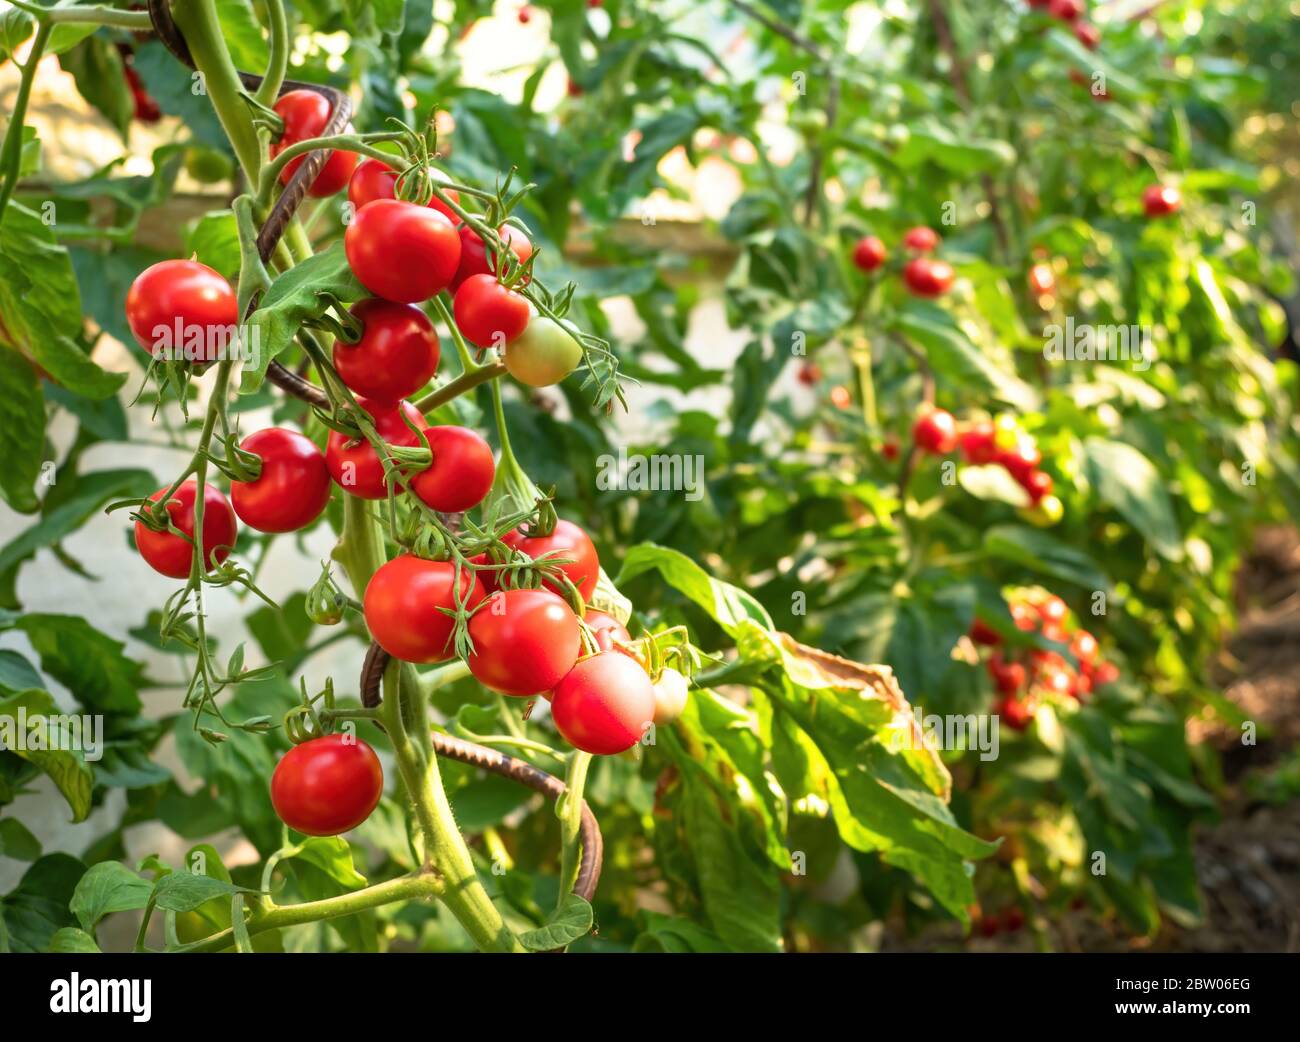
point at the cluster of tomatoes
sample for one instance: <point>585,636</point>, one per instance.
<point>923,275</point>
<point>1023,679</point>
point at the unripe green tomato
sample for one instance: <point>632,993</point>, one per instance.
<point>324,604</point>
<point>671,691</point>
<point>543,354</point>
<point>1047,512</point>
<point>208,166</point>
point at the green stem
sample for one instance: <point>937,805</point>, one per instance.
<point>98,15</point>
<point>358,143</point>
<point>405,888</point>
<point>278,60</point>
<point>11,154</point>
<point>467,381</point>
<point>569,810</point>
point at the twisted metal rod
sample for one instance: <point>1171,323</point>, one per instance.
<point>376,660</point>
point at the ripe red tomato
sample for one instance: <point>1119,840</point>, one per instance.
<point>926,277</point>
<point>935,432</point>
<point>567,541</point>
<point>1161,200</point>
<point>889,447</point>
<point>544,353</point>
<point>293,487</point>
<point>1008,677</point>
<point>1087,34</point>
<point>1057,680</point>
<point>921,239</point>
<point>982,633</point>
<point>977,442</point>
<point>1084,647</point>
<point>869,253</point>
<point>474,255</point>
<point>1015,713</point>
<point>328,785</point>
<point>841,397</point>
<point>1053,610</point>
<point>1041,279</point>
<point>354,465</point>
<point>373,180</point>
<point>1038,484</point>
<point>461,473</point>
<point>305,114</point>
<point>403,603</point>
<point>402,252</point>
<point>525,15</point>
<point>1066,10</point>
<point>603,704</point>
<point>171,555</point>
<point>809,374</point>
<point>1013,919</point>
<point>1025,617</point>
<point>525,641</point>
<point>606,629</point>
<point>182,307</point>
<point>489,314</point>
<point>397,354</point>
<point>671,692</point>
<point>1022,460</point>
<point>1104,673</point>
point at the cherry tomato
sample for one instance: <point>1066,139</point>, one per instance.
<point>869,253</point>
<point>603,704</point>
<point>293,487</point>
<point>567,541</point>
<point>168,553</point>
<point>982,633</point>
<point>402,252</point>
<point>461,473</point>
<point>185,308</point>
<point>935,432</point>
<point>977,445</point>
<point>1087,34</point>
<point>305,114</point>
<point>1161,200</point>
<point>1022,460</point>
<point>1008,677</point>
<point>1104,673</point>
<point>841,398</point>
<point>1084,647</point>
<point>809,374</point>
<point>606,629</point>
<point>374,179</point>
<point>543,354</point>
<point>1015,713</point>
<point>328,785</point>
<point>671,692</point>
<point>1047,511</point>
<point>927,277</point>
<point>921,239</point>
<point>525,641</point>
<point>889,448</point>
<point>525,15</point>
<point>474,256</point>
<point>1066,10</point>
<point>1038,484</point>
<point>403,603</point>
<point>1053,610</point>
<point>487,313</point>
<point>397,354</point>
<point>1041,279</point>
<point>1025,617</point>
<point>353,463</point>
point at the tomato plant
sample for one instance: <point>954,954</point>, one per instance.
<point>690,523</point>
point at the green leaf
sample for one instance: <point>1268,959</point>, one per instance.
<point>1129,482</point>
<point>243,34</point>
<point>93,666</point>
<point>664,933</point>
<point>97,68</point>
<point>1043,553</point>
<point>282,632</point>
<point>214,240</point>
<point>16,673</point>
<point>332,855</point>
<point>22,430</point>
<point>954,358</point>
<point>71,941</point>
<point>994,483</point>
<point>17,841</point>
<point>731,607</point>
<point>34,911</point>
<point>570,921</point>
<point>185,891</point>
<point>64,767</point>
<point>301,293</point>
<point>107,888</point>
<point>962,154</point>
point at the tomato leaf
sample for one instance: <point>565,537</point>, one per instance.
<point>93,666</point>
<point>17,841</point>
<point>301,293</point>
<point>64,767</point>
<point>571,920</point>
<point>33,912</point>
<point>22,430</point>
<point>1129,482</point>
<point>106,888</point>
<point>185,891</point>
<point>1046,554</point>
<point>97,68</point>
<point>214,240</point>
<point>731,607</point>
<point>71,941</point>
